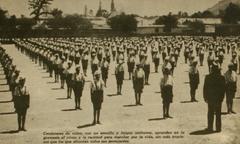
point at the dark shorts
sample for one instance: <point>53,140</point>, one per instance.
<point>167,95</point>
<point>104,73</point>
<point>120,78</point>
<point>21,111</point>
<point>138,85</point>
<point>84,64</point>
<point>167,99</point>
<point>156,61</point>
<point>97,99</point>
<point>130,66</point>
<point>69,80</point>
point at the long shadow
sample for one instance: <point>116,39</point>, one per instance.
<point>4,90</point>
<point>131,105</point>
<point>186,102</point>
<point>170,117</point>
<point>7,113</point>
<point>237,97</point>
<point>41,69</point>
<point>202,132</point>
<point>3,84</point>
<point>156,119</point>
<point>9,132</point>
<point>224,113</point>
<point>85,126</point>
<point>61,98</point>
<point>5,101</point>
<point>50,82</point>
<point>111,95</point>
<point>56,88</point>
<point>45,77</point>
<point>186,82</point>
<point>157,92</point>
<point>69,110</point>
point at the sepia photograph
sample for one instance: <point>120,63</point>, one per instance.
<point>119,71</point>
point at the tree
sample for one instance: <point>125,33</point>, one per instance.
<point>102,13</point>
<point>39,7</point>
<point>169,21</point>
<point>196,26</point>
<point>11,23</point>
<point>197,15</point>
<point>3,17</point>
<point>182,14</point>
<point>7,22</point>
<point>123,23</point>
<point>231,14</point>
<point>207,14</point>
<point>160,20</point>
<point>221,13</point>
<point>204,14</point>
<point>73,22</point>
<point>25,23</point>
<point>56,13</point>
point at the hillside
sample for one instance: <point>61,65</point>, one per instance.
<point>221,5</point>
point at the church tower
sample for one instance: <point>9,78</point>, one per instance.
<point>85,11</point>
<point>113,9</point>
<point>100,5</point>
<point>99,11</point>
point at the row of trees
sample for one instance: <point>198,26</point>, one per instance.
<point>122,22</point>
<point>58,21</point>
<point>73,22</point>
<point>171,21</point>
<point>11,23</point>
<point>231,15</point>
<point>204,14</point>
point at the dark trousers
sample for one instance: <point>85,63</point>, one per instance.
<point>229,100</point>
<point>21,115</point>
<point>78,94</point>
<point>210,65</point>
<point>185,58</point>
<point>201,58</point>
<point>214,109</point>
<point>193,94</point>
<point>77,101</point>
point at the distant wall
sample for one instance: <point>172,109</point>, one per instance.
<point>228,29</point>
<point>222,30</point>
<point>150,30</point>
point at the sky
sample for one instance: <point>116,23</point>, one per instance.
<point>140,7</point>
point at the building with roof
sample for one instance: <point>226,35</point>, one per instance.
<point>206,21</point>
<point>150,29</point>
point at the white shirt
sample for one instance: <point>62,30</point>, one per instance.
<point>166,80</point>
<point>230,76</point>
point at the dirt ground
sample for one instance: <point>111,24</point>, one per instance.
<point>50,111</point>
